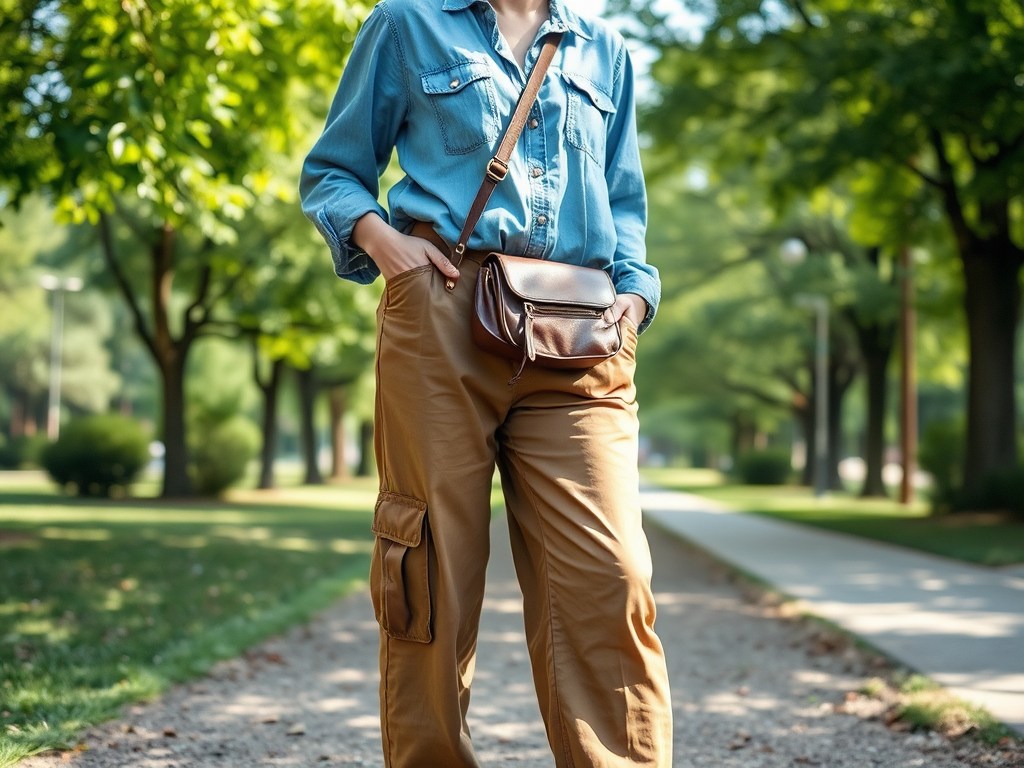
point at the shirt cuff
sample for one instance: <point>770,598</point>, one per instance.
<point>645,286</point>
<point>350,261</point>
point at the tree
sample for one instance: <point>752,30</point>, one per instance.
<point>158,122</point>
<point>932,90</point>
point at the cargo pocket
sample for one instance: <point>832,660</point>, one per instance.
<point>400,567</point>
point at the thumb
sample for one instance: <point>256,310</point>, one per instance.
<point>440,260</point>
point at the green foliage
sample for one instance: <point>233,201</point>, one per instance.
<point>941,454</point>
<point>95,454</point>
<point>22,452</point>
<point>221,453</point>
<point>105,604</point>
<point>179,102</point>
<point>771,466</point>
<point>916,107</point>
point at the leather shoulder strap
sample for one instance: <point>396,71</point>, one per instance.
<point>497,167</point>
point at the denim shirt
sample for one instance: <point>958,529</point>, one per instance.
<point>436,80</point>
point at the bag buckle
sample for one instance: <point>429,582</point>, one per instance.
<point>497,170</point>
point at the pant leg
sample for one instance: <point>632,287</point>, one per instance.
<point>435,455</point>
<point>568,456</point>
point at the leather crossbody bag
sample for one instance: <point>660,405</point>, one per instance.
<point>524,309</point>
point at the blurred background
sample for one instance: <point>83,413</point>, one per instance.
<point>836,200</point>
<point>835,207</point>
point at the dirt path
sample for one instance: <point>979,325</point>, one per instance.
<point>750,691</point>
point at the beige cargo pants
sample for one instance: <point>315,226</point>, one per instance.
<point>565,443</point>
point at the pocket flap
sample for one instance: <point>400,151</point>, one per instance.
<point>556,283</point>
<point>454,78</point>
<point>399,518</point>
<point>597,97</point>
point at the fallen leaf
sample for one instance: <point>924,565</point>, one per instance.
<point>274,658</point>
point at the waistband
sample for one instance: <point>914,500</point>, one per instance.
<point>422,229</point>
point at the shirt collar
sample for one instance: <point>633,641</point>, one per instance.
<point>562,18</point>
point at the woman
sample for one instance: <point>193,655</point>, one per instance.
<point>439,79</point>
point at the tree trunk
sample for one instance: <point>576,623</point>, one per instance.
<point>269,447</point>
<point>839,381</point>
<point>176,478</point>
<point>743,434</point>
<point>993,303</point>
<point>365,448</point>
<point>307,402</point>
<point>805,417</point>
<point>876,346</point>
<point>339,468</point>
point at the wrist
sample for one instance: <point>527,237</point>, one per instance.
<point>370,233</point>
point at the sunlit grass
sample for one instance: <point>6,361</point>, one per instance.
<point>103,603</point>
<point>985,539</point>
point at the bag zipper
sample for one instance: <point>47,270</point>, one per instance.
<point>532,311</point>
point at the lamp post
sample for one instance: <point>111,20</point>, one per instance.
<point>58,286</point>
<point>793,251</point>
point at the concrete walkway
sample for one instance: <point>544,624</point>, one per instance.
<point>960,624</point>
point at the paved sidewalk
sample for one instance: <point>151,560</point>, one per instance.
<point>961,624</point>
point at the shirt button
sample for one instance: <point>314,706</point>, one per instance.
<point>455,83</point>
<point>542,219</point>
<point>537,172</point>
<point>534,123</point>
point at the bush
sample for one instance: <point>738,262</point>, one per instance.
<point>221,452</point>
<point>22,452</point>
<point>941,454</point>
<point>768,467</point>
<point>97,453</point>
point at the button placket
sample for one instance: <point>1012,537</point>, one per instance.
<point>535,156</point>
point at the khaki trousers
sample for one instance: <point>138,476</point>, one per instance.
<point>565,443</point>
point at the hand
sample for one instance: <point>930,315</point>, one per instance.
<point>631,306</point>
<point>393,252</point>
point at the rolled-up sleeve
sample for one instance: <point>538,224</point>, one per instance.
<point>628,196</point>
<point>340,179</point>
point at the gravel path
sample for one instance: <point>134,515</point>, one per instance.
<point>751,689</point>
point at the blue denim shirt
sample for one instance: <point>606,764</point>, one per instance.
<point>436,79</point>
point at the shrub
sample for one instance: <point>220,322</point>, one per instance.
<point>941,454</point>
<point>97,453</point>
<point>221,451</point>
<point>768,467</point>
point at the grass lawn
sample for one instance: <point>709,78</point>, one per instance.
<point>985,539</point>
<point>102,603</point>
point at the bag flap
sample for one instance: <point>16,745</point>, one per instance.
<point>454,78</point>
<point>399,518</point>
<point>597,97</point>
<point>556,283</point>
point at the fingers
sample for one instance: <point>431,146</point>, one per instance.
<point>442,262</point>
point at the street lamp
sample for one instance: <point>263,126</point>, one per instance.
<point>58,286</point>
<point>793,251</point>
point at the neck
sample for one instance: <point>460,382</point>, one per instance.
<point>519,7</point>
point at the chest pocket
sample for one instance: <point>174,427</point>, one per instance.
<point>464,102</point>
<point>586,121</point>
